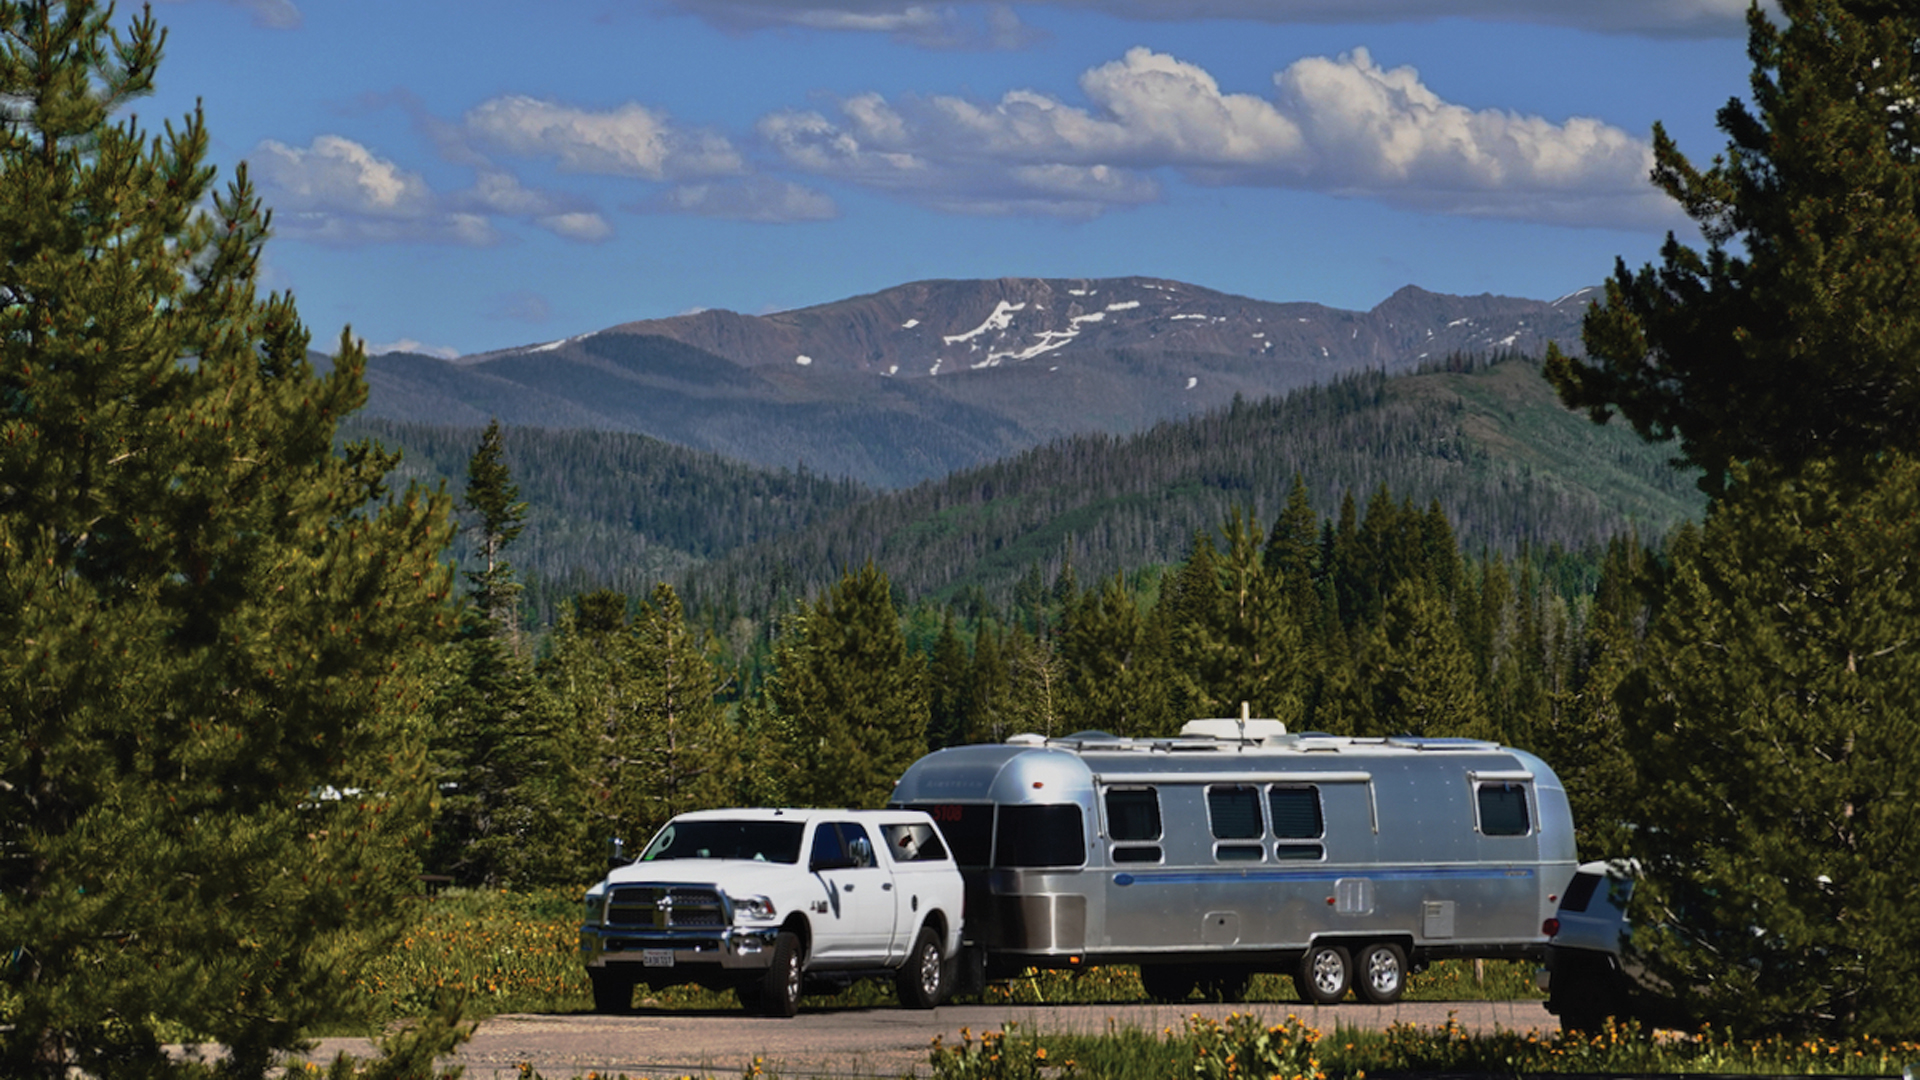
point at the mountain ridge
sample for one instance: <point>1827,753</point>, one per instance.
<point>914,382</point>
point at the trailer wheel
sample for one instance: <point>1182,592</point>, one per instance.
<point>1383,973</point>
<point>1167,983</point>
<point>612,990</point>
<point>1325,973</point>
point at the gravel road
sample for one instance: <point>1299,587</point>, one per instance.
<point>871,1042</point>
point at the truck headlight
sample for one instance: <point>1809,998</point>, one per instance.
<point>757,908</point>
<point>596,906</point>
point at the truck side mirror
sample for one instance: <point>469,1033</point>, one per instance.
<point>616,852</point>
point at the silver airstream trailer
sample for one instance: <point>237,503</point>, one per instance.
<point>1238,848</point>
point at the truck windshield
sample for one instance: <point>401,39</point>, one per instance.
<point>754,841</point>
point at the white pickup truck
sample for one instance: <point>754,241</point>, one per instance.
<point>761,901</point>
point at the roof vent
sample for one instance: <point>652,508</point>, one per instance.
<point>1250,729</point>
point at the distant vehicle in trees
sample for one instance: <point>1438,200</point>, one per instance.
<point>1240,848</point>
<point>763,902</point>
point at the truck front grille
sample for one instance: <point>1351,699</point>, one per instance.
<point>663,907</point>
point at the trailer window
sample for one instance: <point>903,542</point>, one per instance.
<point>1234,811</point>
<point>968,828</point>
<point>1296,817</point>
<point>1040,836</point>
<point>1503,810</point>
<point>1296,812</point>
<point>1133,814</point>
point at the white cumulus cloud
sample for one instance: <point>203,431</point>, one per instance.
<point>756,198</point>
<point>273,14</point>
<point>997,25</point>
<point>630,140</point>
<point>1342,125</point>
<point>935,26</point>
<point>337,191</point>
<point>409,345</point>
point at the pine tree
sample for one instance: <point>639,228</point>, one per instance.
<point>212,783</point>
<point>852,698</point>
<point>1419,678</point>
<point>675,750</point>
<point>501,741</point>
<point>1234,641</point>
<point>1793,336</point>
<point>947,670</point>
<point>988,683</point>
<point>1773,713</point>
<point>1116,680</point>
<point>500,517</point>
<point>1772,730</point>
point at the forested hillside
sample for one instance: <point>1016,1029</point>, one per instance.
<point>1488,443</point>
<point>616,511</point>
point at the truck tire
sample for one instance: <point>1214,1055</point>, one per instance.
<point>612,990</point>
<point>922,981</point>
<point>780,987</point>
<point>1325,973</point>
<point>1382,973</point>
<point>1167,983</point>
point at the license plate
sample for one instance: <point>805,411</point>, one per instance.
<point>656,957</point>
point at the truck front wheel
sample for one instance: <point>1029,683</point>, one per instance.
<point>612,990</point>
<point>922,980</point>
<point>780,987</point>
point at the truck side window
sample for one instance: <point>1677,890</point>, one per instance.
<point>1233,811</point>
<point>914,843</point>
<point>826,847</point>
<point>1503,810</point>
<point>1296,817</point>
<point>1133,815</point>
<point>859,849</point>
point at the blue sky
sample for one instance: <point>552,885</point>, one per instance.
<point>455,177</point>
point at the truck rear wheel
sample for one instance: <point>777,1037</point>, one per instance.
<point>612,990</point>
<point>1325,973</point>
<point>780,987</point>
<point>1382,973</point>
<point>921,982</point>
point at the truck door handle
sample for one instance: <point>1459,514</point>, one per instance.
<point>888,887</point>
<point>848,886</point>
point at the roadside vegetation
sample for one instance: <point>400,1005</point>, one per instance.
<point>1244,1045</point>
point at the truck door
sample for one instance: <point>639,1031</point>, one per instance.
<point>858,924</point>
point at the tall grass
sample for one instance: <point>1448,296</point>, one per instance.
<point>505,952</point>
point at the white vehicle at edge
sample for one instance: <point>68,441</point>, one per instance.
<point>763,901</point>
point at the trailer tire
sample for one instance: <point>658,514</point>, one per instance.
<point>1382,973</point>
<point>780,988</point>
<point>923,980</point>
<point>612,990</point>
<point>1326,972</point>
<point>1167,983</point>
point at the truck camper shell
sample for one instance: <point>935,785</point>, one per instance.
<point>1238,847</point>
